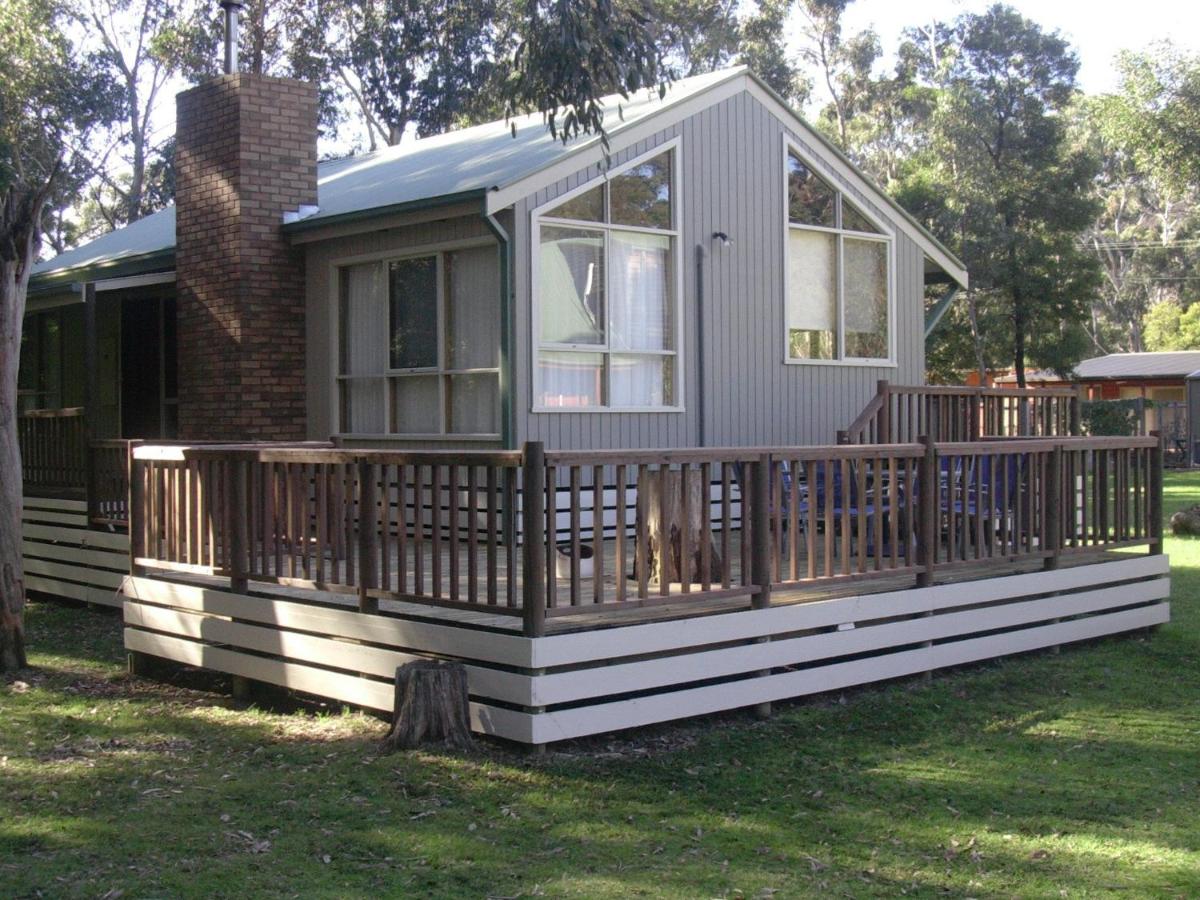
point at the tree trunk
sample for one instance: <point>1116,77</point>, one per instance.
<point>664,562</point>
<point>20,214</point>
<point>431,706</point>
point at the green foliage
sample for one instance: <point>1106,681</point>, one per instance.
<point>1168,326</point>
<point>1110,417</point>
<point>1157,113</point>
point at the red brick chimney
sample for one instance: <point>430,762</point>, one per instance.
<point>246,153</point>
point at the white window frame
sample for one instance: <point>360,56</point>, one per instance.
<point>886,235</point>
<point>389,375</point>
<point>538,216</point>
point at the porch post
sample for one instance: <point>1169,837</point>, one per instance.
<point>1052,501</point>
<point>90,396</point>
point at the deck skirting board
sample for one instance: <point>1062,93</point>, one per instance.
<point>65,558</point>
<point>539,690</point>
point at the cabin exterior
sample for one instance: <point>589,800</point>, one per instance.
<point>318,419</point>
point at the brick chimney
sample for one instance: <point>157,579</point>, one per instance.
<point>246,152</point>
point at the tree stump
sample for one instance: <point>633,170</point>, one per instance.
<point>431,706</point>
<point>665,563</point>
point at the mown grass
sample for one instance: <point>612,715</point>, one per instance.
<point>1074,774</point>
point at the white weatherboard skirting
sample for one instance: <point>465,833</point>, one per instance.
<point>349,656</point>
<point>64,557</point>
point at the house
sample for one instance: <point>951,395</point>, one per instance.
<point>567,418</point>
<point>1158,377</point>
<point>476,289</point>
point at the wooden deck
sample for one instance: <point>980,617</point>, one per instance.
<point>675,605</point>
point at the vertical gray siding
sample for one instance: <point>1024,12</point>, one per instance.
<point>731,180</point>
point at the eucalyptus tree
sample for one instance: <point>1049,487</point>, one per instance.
<point>1015,194</point>
<point>50,96</point>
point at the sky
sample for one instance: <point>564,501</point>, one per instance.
<point>1097,29</point>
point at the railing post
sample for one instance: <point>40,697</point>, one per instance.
<point>1076,412</point>
<point>760,548</point>
<point>533,539</point>
<point>136,500</point>
<point>1052,504</point>
<point>760,532</point>
<point>977,412</point>
<point>927,512</point>
<point>1155,506</point>
<point>238,509</point>
<point>368,519</point>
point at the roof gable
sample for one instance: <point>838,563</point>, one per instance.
<point>489,162</point>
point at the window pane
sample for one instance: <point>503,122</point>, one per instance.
<point>363,406</point>
<point>642,195</point>
<point>473,310</point>
<point>415,405</point>
<point>570,379</point>
<point>639,291</point>
<point>363,348</point>
<point>571,285</point>
<point>812,295</point>
<point>853,220</point>
<point>866,293</point>
<point>474,404</point>
<point>810,200</point>
<point>588,206</point>
<point>642,380</point>
<point>413,293</point>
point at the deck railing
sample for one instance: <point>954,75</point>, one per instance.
<point>509,532</point>
<point>903,413</point>
<point>54,455</point>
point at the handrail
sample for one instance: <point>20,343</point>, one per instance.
<point>68,412</point>
<point>442,528</point>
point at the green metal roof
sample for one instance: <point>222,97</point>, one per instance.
<point>457,165</point>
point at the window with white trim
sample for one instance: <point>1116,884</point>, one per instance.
<point>419,345</point>
<point>607,293</point>
<point>839,274</point>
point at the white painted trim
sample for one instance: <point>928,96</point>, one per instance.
<point>621,138</point>
<point>31,503</point>
<point>661,671</point>
<point>740,80</point>
<point>886,236</point>
<point>134,281</point>
<point>446,640</point>
<point>71,590</point>
<point>438,250</point>
<point>673,146</point>
<point>75,537</point>
<point>599,718</point>
<point>658,637</point>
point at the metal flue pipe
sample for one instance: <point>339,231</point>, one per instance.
<point>233,10</point>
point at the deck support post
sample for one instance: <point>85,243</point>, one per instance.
<point>1076,412</point>
<point>760,548</point>
<point>368,520</point>
<point>239,510</point>
<point>533,539</point>
<point>1155,505</point>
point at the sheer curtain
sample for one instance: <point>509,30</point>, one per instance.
<point>640,312</point>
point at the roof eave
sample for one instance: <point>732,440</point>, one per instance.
<point>142,263</point>
<point>313,223</point>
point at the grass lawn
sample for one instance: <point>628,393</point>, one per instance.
<point>1075,774</point>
